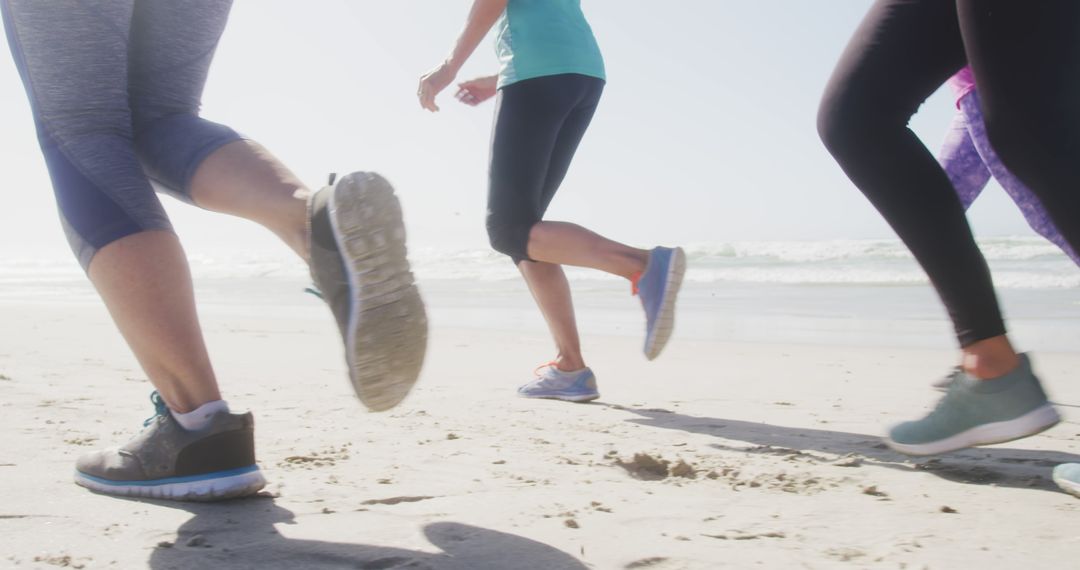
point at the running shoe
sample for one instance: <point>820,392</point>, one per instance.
<point>942,384</point>
<point>165,461</point>
<point>1067,476</point>
<point>552,383</point>
<point>359,265</point>
<point>979,412</point>
<point>657,288</point>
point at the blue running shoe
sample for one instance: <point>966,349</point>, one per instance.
<point>1067,476</point>
<point>657,287</point>
<point>552,383</point>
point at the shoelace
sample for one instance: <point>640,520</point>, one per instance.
<point>949,378</point>
<point>160,409</point>
<point>540,379</point>
<point>951,394</point>
<point>536,371</point>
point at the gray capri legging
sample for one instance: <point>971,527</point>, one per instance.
<point>115,88</point>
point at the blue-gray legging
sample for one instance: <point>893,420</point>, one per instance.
<point>970,161</point>
<point>115,88</point>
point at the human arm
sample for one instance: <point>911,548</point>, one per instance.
<point>482,17</point>
<point>476,91</point>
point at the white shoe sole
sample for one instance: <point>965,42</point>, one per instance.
<point>1031,423</point>
<point>210,489</point>
<point>578,398</point>
<point>665,321</point>
<point>1070,487</point>
<point>386,336</point>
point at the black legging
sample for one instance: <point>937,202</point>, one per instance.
<point>538,126</point>
<point>1026,59</point>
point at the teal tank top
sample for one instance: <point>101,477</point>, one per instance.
<point>537,38</point>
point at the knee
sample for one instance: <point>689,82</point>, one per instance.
<point>845,126</point>
<point>834,125</point>
<point>856,119</point>
<point>172,147</point>
<point>507,236</point>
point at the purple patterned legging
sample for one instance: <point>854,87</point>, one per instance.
<point>969,161</point>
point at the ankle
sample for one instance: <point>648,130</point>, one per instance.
<point>990,358</point>
<point>200,417</point>
<point>569,363</point>
<point>294,228</point>
<point>635,263</point>
<point>300,242</point>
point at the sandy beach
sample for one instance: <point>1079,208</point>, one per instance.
<point>805,326</point>
<point>720,454</point>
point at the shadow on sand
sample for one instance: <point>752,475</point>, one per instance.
<point>1000,466</point>
<point>241,534</point>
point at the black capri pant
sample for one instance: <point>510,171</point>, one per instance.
<point>538,126</point>
<point>1026,59</point>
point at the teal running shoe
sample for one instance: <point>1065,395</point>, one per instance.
<point>979,412</point>
<point>554,384</point>
<point>942,384</point>
<point>1067,476</point>
<point>657,288</point>
<point>165,461</point>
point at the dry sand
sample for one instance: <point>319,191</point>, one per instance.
<point>717,455</point>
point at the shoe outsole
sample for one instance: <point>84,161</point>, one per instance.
<point>203,490</point>
<point>386,336</point>
<point>665,320</point>
<point>1031,423</point>
<point>1069,486</point>
<point>580,398</point>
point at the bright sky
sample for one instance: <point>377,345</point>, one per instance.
<point>705,134</point>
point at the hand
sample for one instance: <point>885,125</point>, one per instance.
<point>476,91</point>
<point>431,84</point>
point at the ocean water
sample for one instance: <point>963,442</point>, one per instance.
<point>840,291</point>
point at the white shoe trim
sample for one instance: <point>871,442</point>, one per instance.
<point>203,490</point>
<point>1031,423</point>
<point>665,318</point>
<point>1070,487</point>
<point>566,398</point>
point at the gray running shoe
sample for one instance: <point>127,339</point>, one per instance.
<point>979,412</point>
<point>359,265</point>
<point>166,461</point>
<point>942,384</point>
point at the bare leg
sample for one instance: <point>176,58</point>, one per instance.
<point>549,287</point>
<point>990,358</point>
<point>243,179</point>
<point>146,285</point>
<point>570,244</point>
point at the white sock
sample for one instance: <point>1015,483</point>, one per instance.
<point>200,417</point>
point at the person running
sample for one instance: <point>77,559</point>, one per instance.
<point>1024,56</point>
<point>970,162</point>
<point>548,87</point>
<point>115,91</point>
